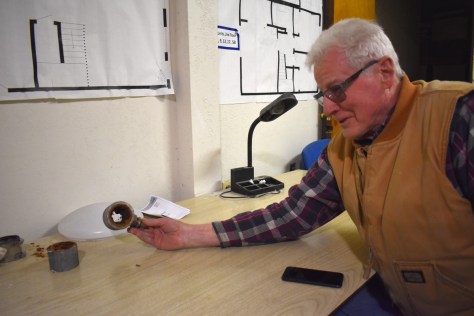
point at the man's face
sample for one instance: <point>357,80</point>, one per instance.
<point>365,104</point>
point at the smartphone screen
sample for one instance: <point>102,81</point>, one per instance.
<point>312,276</point>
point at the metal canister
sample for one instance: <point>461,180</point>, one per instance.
<point>63,256</point>
<point>12,244</point>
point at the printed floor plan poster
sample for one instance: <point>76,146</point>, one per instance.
<point>84,49</point>
<point>263,46</point>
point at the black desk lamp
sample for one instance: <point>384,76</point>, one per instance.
<point>242,179</point>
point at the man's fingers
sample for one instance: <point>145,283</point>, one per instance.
<point>152,222</point>
<point>145,235</point>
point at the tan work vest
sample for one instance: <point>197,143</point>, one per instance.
<point>419,230</point>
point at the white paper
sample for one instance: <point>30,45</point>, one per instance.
<point>263,47</point>
<point>84,49</point>
<point>159,206</point>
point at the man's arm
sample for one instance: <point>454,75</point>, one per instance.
<point>310,204</point>
<point>169,234</point>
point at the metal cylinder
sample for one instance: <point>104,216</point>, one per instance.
<point>63,256</point>
<point>12,244</point>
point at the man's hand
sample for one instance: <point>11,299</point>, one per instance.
<point>170,234</point>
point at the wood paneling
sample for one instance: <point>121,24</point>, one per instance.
<point>364,9</point>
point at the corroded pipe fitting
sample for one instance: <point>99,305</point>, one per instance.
<point>120,215</point>
<point>63,256</point>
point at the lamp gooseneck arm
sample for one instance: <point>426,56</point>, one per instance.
<point>249,141</point>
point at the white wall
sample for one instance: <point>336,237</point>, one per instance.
<point>57,156</point>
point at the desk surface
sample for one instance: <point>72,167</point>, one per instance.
<point>121,275</point>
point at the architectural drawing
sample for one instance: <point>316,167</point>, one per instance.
<point>274,37</point>
<point>81,54</point>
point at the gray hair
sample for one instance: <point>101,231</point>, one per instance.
<point>361,41</point>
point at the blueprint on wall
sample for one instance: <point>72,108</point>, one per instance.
<point>263,46</point>
<point>84,49</point>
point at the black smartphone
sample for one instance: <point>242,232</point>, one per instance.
<point>312,276</point>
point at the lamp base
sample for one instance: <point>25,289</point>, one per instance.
<point>242,181</point>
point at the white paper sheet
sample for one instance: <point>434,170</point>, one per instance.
<point>263,47</point>
<point>159,206</point>
<point>84,49</point>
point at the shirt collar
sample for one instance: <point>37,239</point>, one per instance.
<point>375,132</point>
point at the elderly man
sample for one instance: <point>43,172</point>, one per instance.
<point>402,166</point>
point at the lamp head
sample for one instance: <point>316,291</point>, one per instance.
<point>278,107</point>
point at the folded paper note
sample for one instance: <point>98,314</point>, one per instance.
<point>161,207</point>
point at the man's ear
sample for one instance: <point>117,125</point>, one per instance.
<point>387,71</point>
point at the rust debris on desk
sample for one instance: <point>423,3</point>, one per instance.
<point>39,251</point>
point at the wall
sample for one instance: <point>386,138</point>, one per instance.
<point>402,23</point>
<point>57,156</point>
<point>195,63</point>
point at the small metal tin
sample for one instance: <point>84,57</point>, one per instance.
<point>63,256</point>
<point>12,244</point>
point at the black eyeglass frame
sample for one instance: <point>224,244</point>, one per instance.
<point>336,93</point>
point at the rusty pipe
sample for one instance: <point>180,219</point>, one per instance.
<point>120,215</point>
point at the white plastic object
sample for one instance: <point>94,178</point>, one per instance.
<point>86,223</point>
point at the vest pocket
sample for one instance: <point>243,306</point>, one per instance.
<point>431,291</point>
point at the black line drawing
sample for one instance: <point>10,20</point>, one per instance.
<point>69,54</point>
<point>288,65</point>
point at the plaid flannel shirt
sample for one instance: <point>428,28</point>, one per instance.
<point>316,199</point>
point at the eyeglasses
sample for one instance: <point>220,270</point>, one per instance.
<point>337,93</point>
